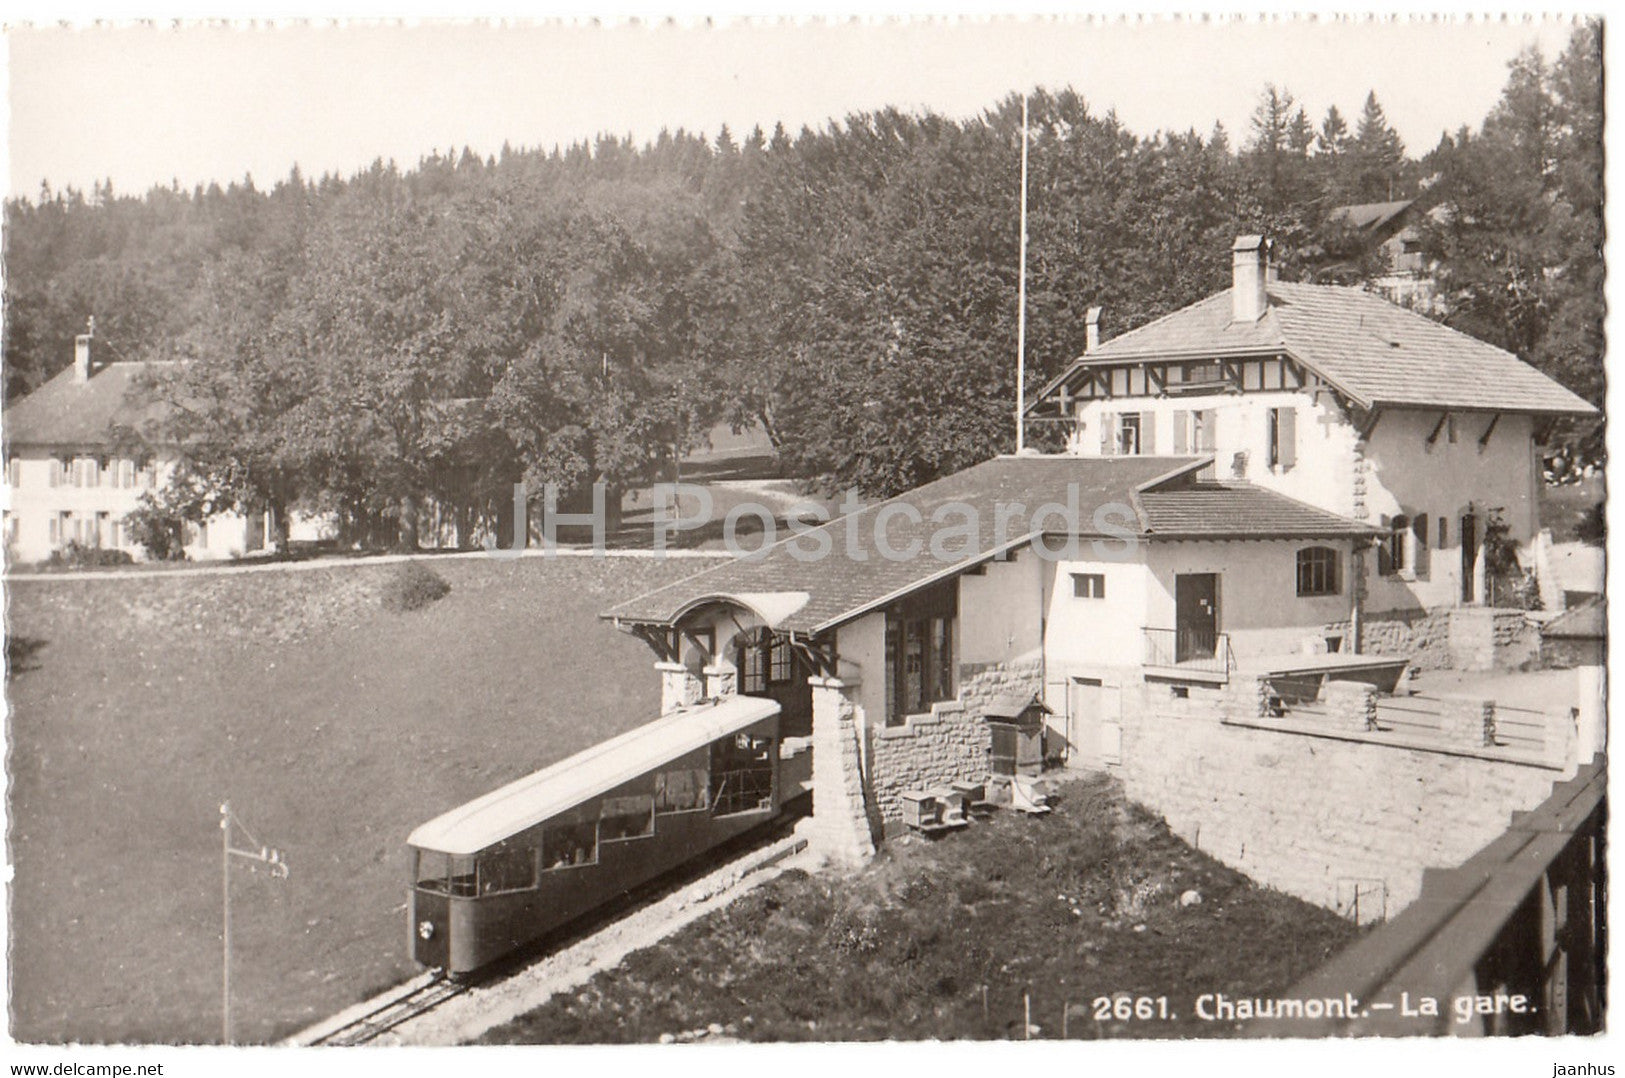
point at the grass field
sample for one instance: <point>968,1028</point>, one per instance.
<point>1064,909</point>
<point>333,727</point>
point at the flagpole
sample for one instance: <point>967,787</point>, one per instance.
<point>1021,298</point>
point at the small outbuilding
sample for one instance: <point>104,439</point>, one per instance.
<point>1016,722</point>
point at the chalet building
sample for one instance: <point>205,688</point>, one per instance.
<point>1249,483</point>
<point>70,480</point>
<point>1337,397</point>
<point>1393,228</point>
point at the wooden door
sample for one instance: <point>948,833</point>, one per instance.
<point>1469,557</point>
<point>1196,616</point>
<point>1094,733</point>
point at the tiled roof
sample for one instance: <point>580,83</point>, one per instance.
<point>1376,352</point>
<point>1589,621</point>
<point>1223,510</point>
<point>814,594</point>
<point>66,412</point>
<point>1372,215</point>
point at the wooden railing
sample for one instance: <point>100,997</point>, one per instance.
<point>1511,942</point>
<point>1193,650</point>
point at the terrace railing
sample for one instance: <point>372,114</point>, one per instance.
<point>1189,651</point>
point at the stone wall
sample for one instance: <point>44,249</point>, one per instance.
<point>952,742</point>
<point>980,683</point>
<point>1340,819</point>
<point>1420,635</point>
<point>1460,638</point>
<point>949,743</point>
<point>928,750</point>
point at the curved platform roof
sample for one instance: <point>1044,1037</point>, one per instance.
<point>526,802</point>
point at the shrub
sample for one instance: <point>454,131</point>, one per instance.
<point>158,530</point>
<point>77,555</point>
<point>413,586</point>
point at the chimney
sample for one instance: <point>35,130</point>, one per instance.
<point>1250,274</point>
<point>81,357</point>
<point>1091,339</point>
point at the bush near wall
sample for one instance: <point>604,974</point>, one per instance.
<point>77,555</point>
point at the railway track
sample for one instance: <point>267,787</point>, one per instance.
<point>374,1023</point>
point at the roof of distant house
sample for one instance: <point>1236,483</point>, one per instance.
<point>68,413</point>
<point>1117,499</point>
<point>1374,351</point>
<point>1588,621</point>
<point>1370,215</point>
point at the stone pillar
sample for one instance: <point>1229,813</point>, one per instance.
<point>678,686</point>
<point>1468,723</point>
<point>721,679</point>
<point>1592,719</point>
<point>840,831</point>
<point>1351,705</point>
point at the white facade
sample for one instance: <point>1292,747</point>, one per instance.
<point>1414,464</point>
<point>1090,628</point>
<point>54,498</point>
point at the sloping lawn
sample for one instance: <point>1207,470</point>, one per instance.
<point>333,726</point>
<point>1081,904</point>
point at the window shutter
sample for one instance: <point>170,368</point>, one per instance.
<point>1182,430</point>
<point>1209,431</point>
<point>1148,433</point>
<point>1419,528</point>
<point>1108,433</point>
<point>54,474</point>
<point>1385,550</point>
<point>1288,433</point>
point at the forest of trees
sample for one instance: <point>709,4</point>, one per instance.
<point>371,343</point>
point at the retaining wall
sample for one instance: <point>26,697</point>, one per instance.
<point>1330,813</point>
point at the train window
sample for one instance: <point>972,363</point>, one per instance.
<point>632,816</point>
<point>507,868</point>
<point>461,882</point>
<point>433,870</point>
<point>741,774</point>
<point>682,790</point>
<point>570,840</point>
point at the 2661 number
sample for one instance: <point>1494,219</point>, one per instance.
<point>1131,1008</point>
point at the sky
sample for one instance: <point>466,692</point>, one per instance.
<point>144,105</point>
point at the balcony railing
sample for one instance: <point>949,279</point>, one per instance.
<point>1189,651</point>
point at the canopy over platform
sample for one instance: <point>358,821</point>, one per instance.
<point>526,802</point>
<point>1382,672</point>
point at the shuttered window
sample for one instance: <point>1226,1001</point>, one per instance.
<point>1203,434</point>
<point>1283,438</point>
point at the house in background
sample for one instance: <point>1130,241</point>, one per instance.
<point>1393,229</point>
<point>68,480</point>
